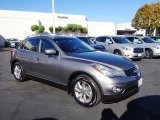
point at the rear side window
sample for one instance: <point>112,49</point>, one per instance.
<point>46,44</point>
<point>31,44</point>
<point>130,38</point>
<point>101,39</point>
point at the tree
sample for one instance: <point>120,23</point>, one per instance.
<point>41,29</point>
<point>34,27</point>
<point>147,17</point>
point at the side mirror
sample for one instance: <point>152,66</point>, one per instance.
<point>110,42</point>
<point>51,52</point>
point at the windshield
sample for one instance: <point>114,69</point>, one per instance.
<point>86,40</point>
<point>156,39</point>
<point>73,45</point>
<point>148,40</point>
<point>121,40</point>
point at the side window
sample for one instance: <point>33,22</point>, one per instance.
<point>31,44</point>
<point>101,39</point>
<point>130,39</point>
<point>138,41</point>
<point>46,44</point>
<point>108,40</point>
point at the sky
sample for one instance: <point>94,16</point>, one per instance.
<point>117,11</point>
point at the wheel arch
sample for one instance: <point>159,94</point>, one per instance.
<point>73,75</point>
<point>12,64</point>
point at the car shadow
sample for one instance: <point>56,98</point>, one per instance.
<point>145,108</point>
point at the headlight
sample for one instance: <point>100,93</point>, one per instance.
<point>109,72</point>
<point>157,47</point>
<point>138,70</point>
<point>126,48</point>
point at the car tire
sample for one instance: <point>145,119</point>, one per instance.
<point>117,52</point>
<point>18,72</point>
<point>148,53</point>
<point>85,91</point>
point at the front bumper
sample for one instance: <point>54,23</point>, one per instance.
<point>129,90</point>
<point>134,55</point>
<point>119,97</point>
<point>156,52</point>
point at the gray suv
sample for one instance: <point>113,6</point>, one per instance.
<point>121,46</point>
<point>90,76</point>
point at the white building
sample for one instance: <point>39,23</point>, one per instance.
<point>17,24</point>
<point>127,29</point>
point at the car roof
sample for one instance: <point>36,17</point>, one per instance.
<point>53,36</point>
<point>111,36</point>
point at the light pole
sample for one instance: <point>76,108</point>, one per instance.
<point>53,13</point>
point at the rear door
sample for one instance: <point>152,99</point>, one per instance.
<point>101,41</point>
<point>26,54</point>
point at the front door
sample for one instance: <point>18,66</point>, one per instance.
<point>47,66</point>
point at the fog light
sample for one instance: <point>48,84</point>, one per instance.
<point>117,89</point>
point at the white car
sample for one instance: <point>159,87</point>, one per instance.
<point>152,48</point>
<point>13,42</point>
<point>121,46</point>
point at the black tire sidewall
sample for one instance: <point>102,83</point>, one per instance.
<point>89,81</point>
<point>150,54</point>
<point>117,52</point>
<point>22,73</point>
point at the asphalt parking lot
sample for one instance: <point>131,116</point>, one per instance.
<point>32,100</point>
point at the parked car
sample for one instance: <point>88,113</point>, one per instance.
<point>121,46</point>
<point>2,41</point>
<point>152,49</point>
<point>156,38</point>
<point>91,43</point>
<point>13,42</point>
<point>89,75</point>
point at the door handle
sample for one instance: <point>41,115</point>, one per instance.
<point>36,60</point>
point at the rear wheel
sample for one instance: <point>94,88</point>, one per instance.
<point>149,53</point>
<point>85,91</point>
<point>18,72</point>
<point>117,52</point>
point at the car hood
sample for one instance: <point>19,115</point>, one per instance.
<point>107,59</point>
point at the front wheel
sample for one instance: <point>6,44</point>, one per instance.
<point>85,91</point>
<point>149,54</point>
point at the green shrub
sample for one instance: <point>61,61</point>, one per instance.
<point>84,30</point>
<point>34,27</point>
<point>69,27</point>
<point>51,29</point>
<point>79,27</point>
<point>59,28</point>
<point>41,29</point>
<point>74,27</point>
<point>65,29</point>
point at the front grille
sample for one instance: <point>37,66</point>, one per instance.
<point>131,72</point>
<point>138,50</point>
<point>131,89</point>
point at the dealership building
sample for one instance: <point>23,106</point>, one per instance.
<point>17,24</point>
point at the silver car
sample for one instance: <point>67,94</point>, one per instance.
<point>90,76</point>
<point>152,49</point>
<point>121,46</point>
